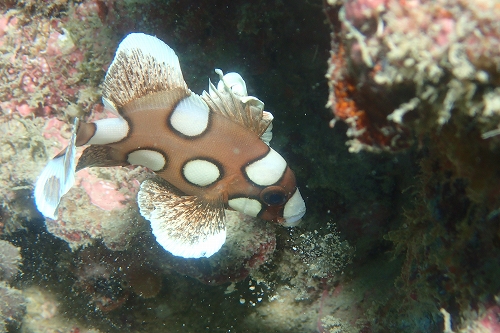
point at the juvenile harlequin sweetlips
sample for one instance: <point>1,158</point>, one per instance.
<point>209,152</point>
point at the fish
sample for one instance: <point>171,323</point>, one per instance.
<point>208,152</point>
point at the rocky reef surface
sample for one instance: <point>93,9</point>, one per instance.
<point>402,231</point>
<point>12,301</point>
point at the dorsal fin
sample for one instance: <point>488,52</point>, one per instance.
<point>142,65</point>
<point>230,100</point>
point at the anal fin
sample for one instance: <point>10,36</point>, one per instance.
<point>56,178</point>
<point>186,226</point>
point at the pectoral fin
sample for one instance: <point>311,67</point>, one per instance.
<point>99,156</point>
<point>186,226</point>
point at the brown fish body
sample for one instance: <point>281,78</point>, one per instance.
<point>226,143</point>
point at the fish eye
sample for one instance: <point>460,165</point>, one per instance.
<point>273,196</point>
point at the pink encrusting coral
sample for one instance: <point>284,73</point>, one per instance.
<point>489,322</point>
<point>46,69</point>
<point>101,206</point>
<point>359,11</point>
<point>103,194</point>
<point>57,132</point>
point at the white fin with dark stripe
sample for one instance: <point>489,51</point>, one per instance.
<point>186,226</point>
<point>56,179</point>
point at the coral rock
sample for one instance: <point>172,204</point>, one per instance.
<point>12,307</point>
<point>100,209</point>
<point>399,68</point>
<point>250,242</point>
<point>10,259</point>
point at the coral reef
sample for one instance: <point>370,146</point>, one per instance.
<point>450,244</point>
<point>399,67</point>
<point>51,72</point>
<point>250,243</point>
<point>12,301</point>
<point>102,206</point>
<point>425,73</point>
<point>10,259</point>
<point>110,277</point>
<point>44,313</point>
<point>323,255</point>
<point>12,307</point>
<point>45,75</point>
<point>22,151</point>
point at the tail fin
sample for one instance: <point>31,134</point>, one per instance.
<point>56,179</point>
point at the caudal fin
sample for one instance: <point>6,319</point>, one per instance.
<point>56,179</point>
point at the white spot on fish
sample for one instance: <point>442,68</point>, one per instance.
<point>268,170</point>
<point>190,116</point>
<point>246,206</point>
<point>109,130</point>
<point>201,172</point>
<point>148,158</point>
